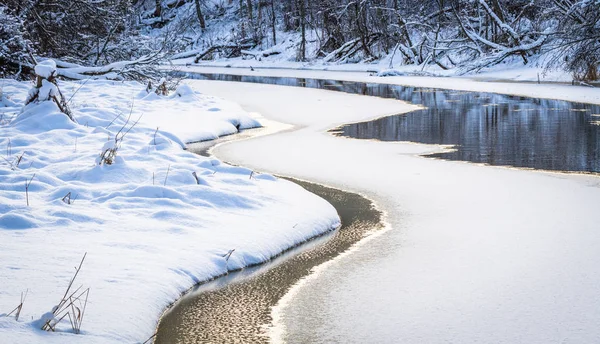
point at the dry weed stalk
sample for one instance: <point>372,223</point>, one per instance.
<point>20,306</point>
<point>68,199</point>
<point>227,256</point>
<point>109,151</point>
<point>155,135</point>
<point>72,305</point>
<point>167,176</point>
<point>196,177</point>
<point>14,164</point>
<point>27,183</point>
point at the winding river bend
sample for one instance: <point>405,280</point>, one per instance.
<point>405,285</point>
<point>232,308</point>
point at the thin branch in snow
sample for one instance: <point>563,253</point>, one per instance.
<point>196,177</point>
<point>20,306</point>
<point>27,183</point>
<point>227,256</point>
<point>167,175</point>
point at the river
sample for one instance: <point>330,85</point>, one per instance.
<point>475,254</point>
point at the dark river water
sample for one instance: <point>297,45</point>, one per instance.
<point>235,308</point>
<point>483,127</point>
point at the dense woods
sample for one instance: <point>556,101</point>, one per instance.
<point>465,34</point>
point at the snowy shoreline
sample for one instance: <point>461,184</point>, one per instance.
<point>511,82</point>
<point>158,240</point>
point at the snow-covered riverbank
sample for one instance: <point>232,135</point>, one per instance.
<point>475,253</point>
<point>149,228</point>
<point>518,82</point>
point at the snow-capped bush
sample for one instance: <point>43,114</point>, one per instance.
<point>46,88</point>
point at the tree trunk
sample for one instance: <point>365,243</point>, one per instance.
<point>303,30</point>
<point>273,22</point>
<point>199,14</point>
<point>249,5</point>
<point>242,21</point>
<point>158,9</point>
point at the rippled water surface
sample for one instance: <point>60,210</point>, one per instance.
<point>232,309</point>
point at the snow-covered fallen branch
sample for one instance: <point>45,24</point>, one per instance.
<point>230,50</point>
<point>141,68</point>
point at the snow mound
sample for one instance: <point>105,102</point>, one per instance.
<point>184,90</point>
<point>46,68</point>
<point>44,116</point>
<point>15,222</point>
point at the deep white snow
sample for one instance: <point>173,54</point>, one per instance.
<point>149,229</point>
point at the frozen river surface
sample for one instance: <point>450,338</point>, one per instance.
<point>473,253</point>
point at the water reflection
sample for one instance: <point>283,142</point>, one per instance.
<point>496,129</point>
<point>234,308</point>
<point>484,127</point>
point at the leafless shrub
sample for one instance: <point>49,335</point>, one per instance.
<point>54,94</point>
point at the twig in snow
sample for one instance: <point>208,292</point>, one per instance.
<point>156,131</point>
<point>109,152</point>
<point>14,164</point>
<point>71,305</point>
<point>68,199</point>
<point>111,122</point>
<point>227,256</point>
<point>27,188</point>
<point>77,90</point>
<point>167,175</point>
<point>18,161</point>
<point>20,306</point>
<point>151,337</point>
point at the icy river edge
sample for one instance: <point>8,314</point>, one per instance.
<point>444,206</point>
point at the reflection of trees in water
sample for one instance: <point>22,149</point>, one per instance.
<point>486,127</point>
<point>495,129</point>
